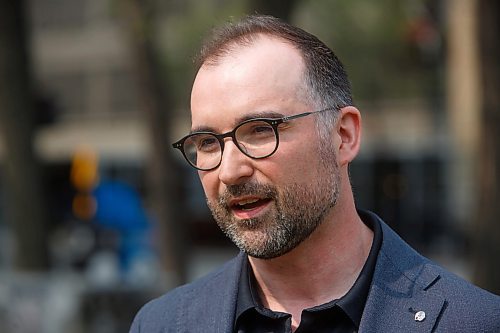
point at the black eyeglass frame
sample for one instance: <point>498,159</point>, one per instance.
<point>274,122</point>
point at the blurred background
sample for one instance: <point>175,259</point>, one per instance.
<point>98,214</point>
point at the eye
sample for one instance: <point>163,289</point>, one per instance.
<point>206,143</point>
<point>263,129</point>
<point>259,129</point>
<point>254,132</point>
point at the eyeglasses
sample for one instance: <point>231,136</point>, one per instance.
<point>256,138</point>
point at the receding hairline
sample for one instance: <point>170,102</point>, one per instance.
<point>235,46</point>
<point>230,47</point>
<point>324,74</point>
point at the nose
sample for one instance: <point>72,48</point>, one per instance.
<point>235,166</point>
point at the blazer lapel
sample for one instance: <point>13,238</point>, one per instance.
<point>401,297</point>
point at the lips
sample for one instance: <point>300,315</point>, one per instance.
<point>247,200</point>
<point>248,207</point>
<point>247,204</point>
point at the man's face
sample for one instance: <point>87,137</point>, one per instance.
<point>268,206</point>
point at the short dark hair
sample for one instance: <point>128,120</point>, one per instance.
<point>326,78</point>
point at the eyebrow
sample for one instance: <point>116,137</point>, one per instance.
<point>253,115</point>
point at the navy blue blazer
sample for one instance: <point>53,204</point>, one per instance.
<point>404,284</point>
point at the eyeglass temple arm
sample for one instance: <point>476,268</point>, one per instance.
<point>300,115</point>
<point>287,118</point>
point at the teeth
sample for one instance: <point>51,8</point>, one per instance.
<point>246,202</point>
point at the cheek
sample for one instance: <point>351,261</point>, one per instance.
<point>210,184</point>
<point>299,158</point>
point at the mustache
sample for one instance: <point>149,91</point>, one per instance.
<point>249,188</point>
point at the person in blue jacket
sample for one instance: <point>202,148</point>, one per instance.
<point>273,132</point>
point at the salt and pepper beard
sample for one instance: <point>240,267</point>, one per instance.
<point>298,210</point>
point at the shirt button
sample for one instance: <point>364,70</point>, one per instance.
<point>420,316</point>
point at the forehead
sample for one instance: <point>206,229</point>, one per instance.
<point>266,75</point>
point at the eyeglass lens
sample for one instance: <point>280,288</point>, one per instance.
<point>256,139</point>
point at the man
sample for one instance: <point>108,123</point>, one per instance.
<point>273,133</point>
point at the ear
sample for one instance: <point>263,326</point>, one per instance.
<point>349,132</point>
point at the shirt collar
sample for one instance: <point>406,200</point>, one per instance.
<point>247,297</point>
<point>352,303</point>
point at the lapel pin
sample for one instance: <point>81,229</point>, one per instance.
<point>420,316</point>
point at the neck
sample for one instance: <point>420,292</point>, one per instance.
<point>322,268</point>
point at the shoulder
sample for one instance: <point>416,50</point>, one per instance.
<point>461,291</point>
<point>427,274</point>
<point>465,307</point>
<point>164,313</point>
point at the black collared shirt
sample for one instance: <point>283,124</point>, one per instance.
<point>339,315</point>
